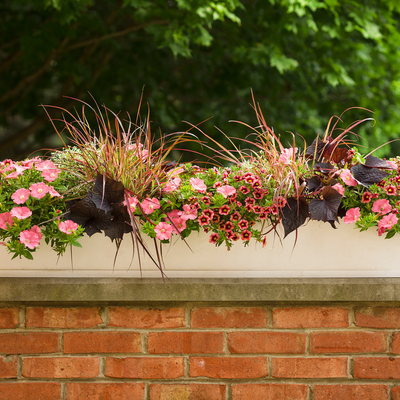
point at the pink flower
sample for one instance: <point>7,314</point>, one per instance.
<point>50,175</point>
<point>352,215</point>
<point>21,212</point>
<point>39,190</point>
<point>37,230</point>
<point>20,196</point>
<point>29,238</point>
<point>45,165</point>
<point>174,214</point>
<point>198,184</point>
<point>339,188</point>
<point>287,155</point>
<point>388,221</point>
<point>390,190</point>
<point>178,225</point>
<point>189,212</point>
<point>393,164</point>
<point>172,185</point>
<point>163,231</point>
<point>149,205</point>
<point>382,207</point>
<point>226,190</point>
<point>53,192</point>
<point>5,218</point>
<point>348,178</point>
<point>213,238</point>
<point>68,227</point>
<point>133,202</point>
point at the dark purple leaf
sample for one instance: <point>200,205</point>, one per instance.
<point>294,214</point>
<point>316,149</point>
<point>367,176</point>
<point>313,183</point>
<point>326,210</point>
<point>375,162</point>
<point>325,168</point>
<point>110,189</point>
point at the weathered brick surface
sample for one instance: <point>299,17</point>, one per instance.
<point>29,343</point>
<point>147,319</point>
<point>9,317</point>
<point>267,342</point>
<point>348,342</point>
<point>396,393</point>
<point>228,317</point>
<point>145,368</point>
<point>8,367</point>
<point>229,367</point>
<point>187,392</point>
<point>30,391</point>
<point>395,346</point>
<point>378,317</point>
<point>353,392</point>
<point>53,317</point>
<point>310,317</point>
<point>269,392</point>
<point>333,367</point>
<point>105,391</point>
<point>102,342</point>
<point>186,342</point>
<point>60,367</point>
<point>377,368</point>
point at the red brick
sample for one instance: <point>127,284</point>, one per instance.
<point>228,317</point>
<point>145,368</point>
<point>60,367</point>
<point>186,342</point>
<point>105,391</point>
<point>309,367</point>
<point>377,368</point>
<point>30,391</point>
<point>229,367</point>
<point>8,367</point>
<point>310,317</point>
<point>396,393</point>
<point>269,392</point>
<point>146,319</point>
<point>348,342</point>
<point>9,317</point>
<point>31,342</point>
<point>378,317</point>
<point>395,347</point>
<point>353,392</point>
<point>52,317</point>
<point>102,342</point>
<point>267,342</point>
<point>187,392</point>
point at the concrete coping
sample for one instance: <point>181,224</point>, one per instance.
<point>120,290</point>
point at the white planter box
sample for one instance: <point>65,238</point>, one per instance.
<point>320,251</point>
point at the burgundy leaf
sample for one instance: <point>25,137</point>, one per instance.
<point>313,183</point>
<point>375,162</point>
<point>326,210</point>
<point>367,176</point>
<point>325,168</point>
<point>316,149</point>
<point>294,214</point>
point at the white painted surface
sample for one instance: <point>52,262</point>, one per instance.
<point>320,251</point>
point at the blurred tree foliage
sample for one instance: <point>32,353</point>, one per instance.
<point>304,59</point>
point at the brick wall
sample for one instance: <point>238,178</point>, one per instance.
<point>192,352</point>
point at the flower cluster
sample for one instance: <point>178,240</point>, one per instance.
<point>31,207</point>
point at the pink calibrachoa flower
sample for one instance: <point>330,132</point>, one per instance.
<point>39,190</point>
<point>5,218</point>
<point>30,239</point>
<point>149,205</point>
<point>20,196</point>
<point>203,220</point>
<point>198,184</point>
<point>391,190</point>
<point>224,210</point>
<point>215,218</point>
<point>243,224</point>
<point>228,226</point>
<point>382,207</point>
<point>21,212</point>
<point>226,190</point>
<point>189,212</point>
<point>178,225</point>
<point>280,202</point>
<point>213,238</point>
<point>235,216</point>
<point>50,175</point>
<point>208,212</point>
<point>163,231</point>
<point>388,221</point>
<point>348,178</point>
<point>339,188</point>
<point>287,155</point>
<point>366,197</point>
<point>246,235</point>
<point>68,227</point>
<point>352,215</point>
<point>244,189</point>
